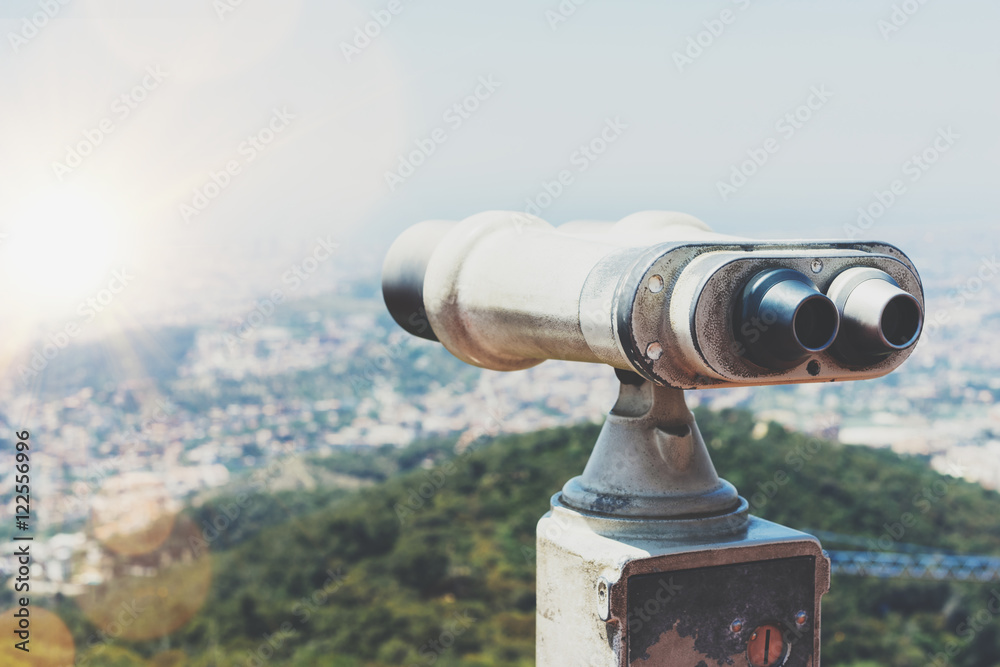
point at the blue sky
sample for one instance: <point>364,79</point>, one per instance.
<point>688,128</point>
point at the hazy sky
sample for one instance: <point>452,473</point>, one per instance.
<point>200,77</point>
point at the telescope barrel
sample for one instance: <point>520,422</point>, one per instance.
<point>657,293</point>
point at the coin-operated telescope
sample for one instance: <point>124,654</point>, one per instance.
<point>648,557</point>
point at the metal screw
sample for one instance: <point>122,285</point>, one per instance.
<point>603,601</point>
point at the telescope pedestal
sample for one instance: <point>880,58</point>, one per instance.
<point>649,559</point>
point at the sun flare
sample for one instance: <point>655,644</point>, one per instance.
<point>58,249</point>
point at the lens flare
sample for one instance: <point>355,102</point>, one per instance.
<point>133,514</point>
<point>150,595</point>
<point>59,247</point>
<point>50,642</point>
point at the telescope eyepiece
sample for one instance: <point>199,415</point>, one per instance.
<point>901,321</point>
<point>878,317</point>
<point>784,318</point>
<point>815,323</point>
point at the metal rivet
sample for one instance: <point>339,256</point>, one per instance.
<point>654,350</point>
<point>817,265</point>
<point>801,618</point>
<point>655,284</point>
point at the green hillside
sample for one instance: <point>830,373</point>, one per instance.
<point>385,576</point>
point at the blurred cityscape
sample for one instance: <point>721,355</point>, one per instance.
<point>129,428</point>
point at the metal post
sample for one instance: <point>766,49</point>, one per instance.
<point>649,559</point>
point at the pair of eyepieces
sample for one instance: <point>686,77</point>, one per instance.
<point>782,317</point>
